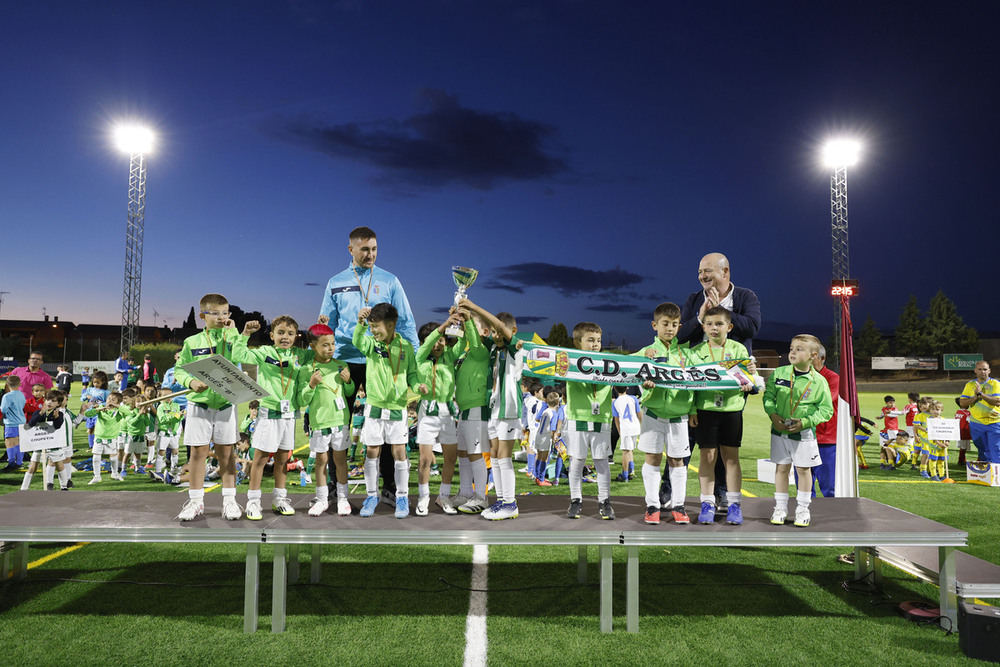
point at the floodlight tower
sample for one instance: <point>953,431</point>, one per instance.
<point>838,155</point>
<point>136,141</point>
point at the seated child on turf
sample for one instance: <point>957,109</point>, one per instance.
<point>274,435</point>
<point>391,369</point>
<point>588,429</point>
<point>250,420</point>
<point>506,405</point>
<point>901,450</point>
<point>323,386</point>
<point>719,430</point>
<point>796,399</point>
<point>437,412</point>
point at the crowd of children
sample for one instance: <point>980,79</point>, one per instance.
<point>474,408</point>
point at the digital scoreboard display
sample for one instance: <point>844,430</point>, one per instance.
<point>844,287</point>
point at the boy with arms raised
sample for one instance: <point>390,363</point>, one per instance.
<point>667,415</point>
<point>506,405</point>
<point>437,412</point>
<point>391,368</point>
<point>588,429</point>
<point>210,418</point>
<point>720,418</point>
<point>796,399</point>
<point>323,386</point>
<point>472,394</point>
<point>277,367</point>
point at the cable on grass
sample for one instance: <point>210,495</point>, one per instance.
<point>936,623</point>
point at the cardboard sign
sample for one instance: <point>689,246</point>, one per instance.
<point>42,436</point>
<point>225,379</point>
<point>943,429</point>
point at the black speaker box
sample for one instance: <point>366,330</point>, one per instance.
<point>979,631</point>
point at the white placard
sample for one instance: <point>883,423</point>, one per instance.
<point>228,381</point>
<point>943,429</point>
<point>41,436</point>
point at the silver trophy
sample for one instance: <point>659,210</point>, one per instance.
<point>463,277</point>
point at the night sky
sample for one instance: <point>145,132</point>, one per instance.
<point>582,155</point>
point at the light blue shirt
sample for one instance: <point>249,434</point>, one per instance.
<point>355,288</point>
<point>12,406</point>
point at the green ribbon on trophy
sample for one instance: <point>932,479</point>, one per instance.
<point>569,365</point>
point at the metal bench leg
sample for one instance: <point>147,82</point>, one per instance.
<point>862,562</point>
<point>581,565</point>
<point>606,590</point>
<point>251,588</point>
<point>20,561</point>
<point>316,563</point>
<point>293,563</point>
<point>947,584</point>
<point>279,588</point>
<point>632,590</point>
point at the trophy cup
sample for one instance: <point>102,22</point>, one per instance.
<point>463,277</point>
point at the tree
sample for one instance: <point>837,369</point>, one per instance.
<point>945,330</point>
<point>558,336</point>
<point>869,342</point>
<point>910,332</point>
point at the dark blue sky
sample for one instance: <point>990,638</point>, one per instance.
<point>582,155</point>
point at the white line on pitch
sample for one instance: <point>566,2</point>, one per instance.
<point>475,622</point>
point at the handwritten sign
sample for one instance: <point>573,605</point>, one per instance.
<point>42,436</point>
<point>943,429</point>
<point>225,379</point>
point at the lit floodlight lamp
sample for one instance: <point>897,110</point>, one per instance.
<point>133,139</point>
<point>841,153</point>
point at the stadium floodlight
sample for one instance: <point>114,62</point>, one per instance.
<point>838,155</point>
<point>841,153</point>
<point>136,141</point>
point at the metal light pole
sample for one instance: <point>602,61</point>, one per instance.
<point>135,141</point>
<point>839,155</point>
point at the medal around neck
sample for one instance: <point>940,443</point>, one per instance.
<point>463,277</point>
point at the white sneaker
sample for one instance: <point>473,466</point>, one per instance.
<point>343,507</point>
<point>779,516</point>
<point>231,510</point>
<point>422,503</point>
<point>802,516</point>
<point>458,500</point>
<point>96,480</point>
<point>321,505</point>
<point>254,511</point>
<point>444,502</point>
<point>191,509</point>
<point>117,477</point>
<point>475,506</point>
<point>282,506</point>
<point>504,511</point>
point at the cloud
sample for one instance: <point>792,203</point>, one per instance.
<point>569,280</point>
<point>522,320</point>
<point>441,310</point>
<point>312,284</point>
<point>613,307</point>
<point>446,144</point>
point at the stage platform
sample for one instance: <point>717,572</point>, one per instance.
<point>138,516</point>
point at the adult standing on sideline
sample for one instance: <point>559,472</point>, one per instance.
<point>826,433</point>
<point>717,290</point>
<point>32,374</point>
<point>981,397</point>
<point>362,285</point>
<point>123,365</point>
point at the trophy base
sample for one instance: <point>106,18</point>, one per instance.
<point>454,332</point>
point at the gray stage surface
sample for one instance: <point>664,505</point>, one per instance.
<point>149,516</point>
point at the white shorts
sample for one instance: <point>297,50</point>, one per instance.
<point>543,442</point>
<point>909,429</point>
<point>377,431</point>
<point>204,426</point>
<point>626,443</point>
<point>168,441</point>
<point>433,429</point>
<point>64,453</point>
<point>473,436</point>
<point>322,441</point>
<point>504,429</point>
<point>580,443</point>
<point>136,445</point>
<point>802,453</point>
<point>273,434</point>
<point>102,447</point>
<point>121,442</point>
<point>658,435</point>
<point>964,445</point>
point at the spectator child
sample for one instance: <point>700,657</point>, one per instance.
<point>12,407</point>
<point>937,451</point>
<point>626,412</point>
<point>910,410</point>
<point>921,446</point>
<point>97,393</point>
<point>63,379</point>
<point>966,434</point>
<point>890,419</point>
<point>543,434</point>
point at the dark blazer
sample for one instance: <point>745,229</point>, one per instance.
<point>746,318</point>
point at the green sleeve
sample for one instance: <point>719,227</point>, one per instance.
<point>770,395</point>
<point>181,376</point>
<point>820,410</point>
<point>361,341</point>
<point>306,392</point>
<point>412,376</point>
<point>425,348</point>
<point>243,354</point>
